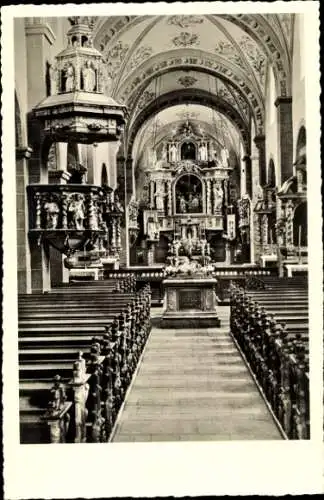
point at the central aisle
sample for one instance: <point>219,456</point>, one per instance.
<point>193,385</point>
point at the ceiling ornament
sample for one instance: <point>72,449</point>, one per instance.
<point>187,81</point>
<point>114,57</point>
<point>279,58</point>
<point>185,21</point>
<point>256,58</point>
<point>140,55</point>
<point>227,50</point>
<point>145,98</point>
<point>185,39</point>
<point>187,115</point>
<point>207,62</point>
<point>118,26</point>
<point>286,24</point>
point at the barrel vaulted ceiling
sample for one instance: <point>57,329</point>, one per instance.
<point>220,61</point>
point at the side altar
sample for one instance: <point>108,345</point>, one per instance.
<point>189,295</point>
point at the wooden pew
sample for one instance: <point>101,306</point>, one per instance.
<point>271,328</point>
<point>42,357</point>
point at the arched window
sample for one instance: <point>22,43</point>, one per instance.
<point>300,225</point>
<point>301,143</point>
<point>104,175</point>
<point>188,194</point>
<point>271,174</point>
<point>188,151</point>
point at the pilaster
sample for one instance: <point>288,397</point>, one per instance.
<point>285,136</point>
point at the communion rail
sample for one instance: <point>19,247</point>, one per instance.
<point>271,329</point>
<point>87,394</point>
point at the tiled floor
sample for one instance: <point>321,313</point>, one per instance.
<point>192,385</point>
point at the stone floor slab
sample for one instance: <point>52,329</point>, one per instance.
<point>193,385</point>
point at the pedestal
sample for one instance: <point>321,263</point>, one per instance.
<point>189,303</point>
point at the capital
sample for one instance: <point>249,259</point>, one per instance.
<point>282,100</point>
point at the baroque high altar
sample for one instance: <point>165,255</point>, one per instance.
<point>186,196</point>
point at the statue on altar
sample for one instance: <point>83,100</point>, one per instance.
<point>173,153</point>
<point>218,197</point>
<point>89,77</point>
<point>224,157</point>
<point>203,152</point>
<point>152,232</point>
<point>159,197</point>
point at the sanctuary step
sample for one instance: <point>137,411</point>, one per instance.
<point>193,385</point>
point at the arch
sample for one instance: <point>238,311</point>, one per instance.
<point>271,174</point>
<point>301,142</point>
<point>104,175</point>
<point>190,96</point>
<point>193,60</point>
<point>188,194</point>
<point>300,225</point>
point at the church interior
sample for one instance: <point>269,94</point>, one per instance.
<point>162,256</point>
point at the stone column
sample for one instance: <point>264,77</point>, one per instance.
<point>40,266</point>
<point>227,253</point>
<point>285,136</point>
<point>150,255</point>
<point>208,197</point>
<point>152,186</point>
<point>24,270</point>
<point>214,196</point>
<point>61,155</point>
<point>169,197</point>
<point>39,39</point>
<point>259,141</point>
<point>59,273</point>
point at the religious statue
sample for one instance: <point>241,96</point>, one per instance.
<point>164,153</point>
<point>118,206</point>
<point>151,228</point>
<point>53,73</point>
<point>159,197</point>
<point>76,209</point>
<point>58,395</point>
<point>69,82</point>
<point>182,205</point>
<point>52,213</point>
<point>224,157</point>
<point>218,197</point>
<point>173,153</point>
<point>89,77</point>
<point>203,153</point>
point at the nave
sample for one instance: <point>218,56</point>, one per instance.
<point>193,385</point>
<point>162,161</point>
<point>95,366</point>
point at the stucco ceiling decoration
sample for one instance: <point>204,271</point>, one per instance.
<point>134,85</point>
<point>187,81</point>
<point>144,99</point>
<point>186,39</point>
<point>227,50</point>
<point>112,60</point>
<point>185,21</point>
<point>142,53</point>
<point>257,27</point>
